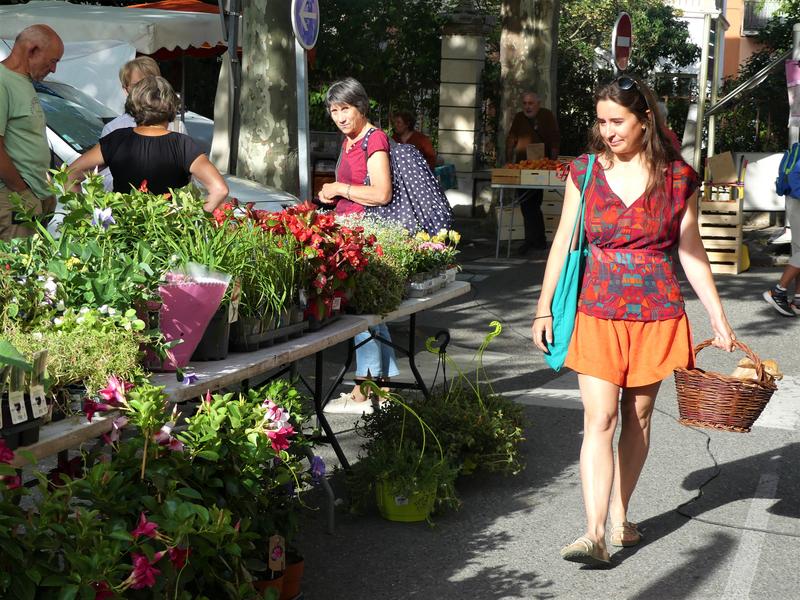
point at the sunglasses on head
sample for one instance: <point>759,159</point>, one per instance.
<point>626,83</point>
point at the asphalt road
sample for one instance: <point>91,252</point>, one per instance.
<point>739,540</point>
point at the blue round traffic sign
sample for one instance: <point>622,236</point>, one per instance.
<point>305,22</point>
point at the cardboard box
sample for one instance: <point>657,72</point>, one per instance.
<point>535,151</point>
<point>533,177</point>
<point>555,180</point>
<point>721,168</point>
<point>518,229</point>
<point>510,176</point>
<point>551,225</point>
<point>552,207</point>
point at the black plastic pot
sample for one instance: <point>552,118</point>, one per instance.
<point>21,434</point>
<point>245,334</point>
<point>216,339</point>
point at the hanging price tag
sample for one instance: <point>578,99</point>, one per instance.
<point>3,378</point>
<point>233,307</point>
<point>277,555</point>
<point>16,397</point>
<point>38,402</point>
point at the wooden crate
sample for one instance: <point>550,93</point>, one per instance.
<point>722,192</point>
<point>518,229</point>
<point>509,176</point>
<point>720,224</point>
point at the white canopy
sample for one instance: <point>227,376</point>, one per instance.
<point>148,30</point>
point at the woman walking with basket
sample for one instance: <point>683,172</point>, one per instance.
<point>637,198</point>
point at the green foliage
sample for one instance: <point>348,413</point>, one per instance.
<point>479,429</point>
<point>660,44</point>
<point>405,456</point>
<point>758,121</point>
<point>392,48</point>
<point>84,347</point>
<point>216,493</point>
<point>378,289</point>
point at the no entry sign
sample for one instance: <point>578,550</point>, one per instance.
<point>305,22</point>
<point>621,41</point>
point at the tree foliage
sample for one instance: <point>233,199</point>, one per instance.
<point>392,48</point>
<point>759,124</point>
<point>660,43</point>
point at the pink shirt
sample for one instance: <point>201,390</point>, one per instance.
<point>353,168</point>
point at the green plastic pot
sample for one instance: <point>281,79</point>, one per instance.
<point>405,509</point>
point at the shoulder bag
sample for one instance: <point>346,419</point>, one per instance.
<point>565,299</point>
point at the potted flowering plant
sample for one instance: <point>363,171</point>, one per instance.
<point>407,473</point>
<point>331,253</point>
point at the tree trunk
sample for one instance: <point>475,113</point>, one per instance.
<point>528,56</point>
<point>268,132</point>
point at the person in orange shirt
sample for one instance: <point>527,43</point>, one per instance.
<point>403,123</point>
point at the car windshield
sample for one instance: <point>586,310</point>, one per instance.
<point>72,115</point>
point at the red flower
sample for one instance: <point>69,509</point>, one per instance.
<point>143,186</point>
<point>144,573</point>
<point>6,454</point>
<point>178,557</point>
<point>12,481</point>
<point>90,407</point>
<point>115,390</point>
<point>279,438</point>
<point>144,528</point>
<point>102,591</point>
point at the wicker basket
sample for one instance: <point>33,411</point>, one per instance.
<point>720,401</point>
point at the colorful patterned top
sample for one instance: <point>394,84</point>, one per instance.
<point>629,273</point>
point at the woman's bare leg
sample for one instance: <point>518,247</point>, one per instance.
<point>600,406</point>
<point>636,410</point>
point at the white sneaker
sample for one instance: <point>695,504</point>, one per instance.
<point>785,237</point>
<point>345,404</point>
<point>795,306</point>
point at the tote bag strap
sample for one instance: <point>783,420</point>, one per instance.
<point>579,219</point>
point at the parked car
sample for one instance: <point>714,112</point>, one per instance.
<point>74,123</point>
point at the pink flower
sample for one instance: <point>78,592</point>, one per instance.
<point>208,397</point>
<point>144,573</point>
<point>175,445</point>
<point>6,454</point>
<point>115,390</point>
<point>102,591</point>
<point>178,557</point>
<point>277,415</point>
<point>279,438</point>
<point>144,527</point>
<point>116,426</point>
<point>164,434</point>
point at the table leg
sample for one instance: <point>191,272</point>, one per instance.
<point>510,230</point>
<point>323,421</point>
<point>409,352</point>
<point>499,223</point>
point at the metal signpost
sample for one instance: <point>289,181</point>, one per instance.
<point>621,42</point>
<point>305,24</point>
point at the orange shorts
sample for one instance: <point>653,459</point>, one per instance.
<point>629,353</point>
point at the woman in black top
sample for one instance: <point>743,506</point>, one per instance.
<point>150,152</point>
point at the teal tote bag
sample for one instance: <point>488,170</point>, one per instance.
<point>565,299</point>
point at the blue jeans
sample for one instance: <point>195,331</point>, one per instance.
<point>375,359</point>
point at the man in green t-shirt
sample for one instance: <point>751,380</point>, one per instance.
<point>24,153</point>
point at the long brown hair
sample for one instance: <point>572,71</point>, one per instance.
<point>656,147</point>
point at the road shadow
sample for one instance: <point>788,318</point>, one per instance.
<point>736,480</point>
